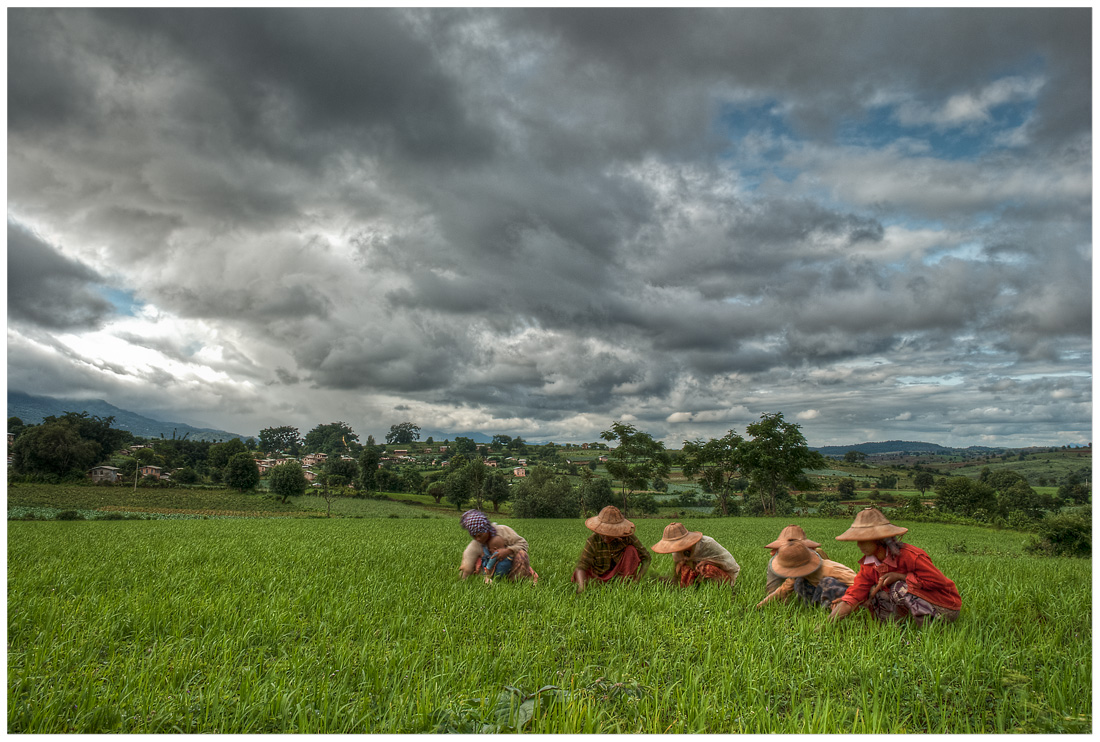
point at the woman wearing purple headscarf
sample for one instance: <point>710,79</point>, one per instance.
<point>507,557</point>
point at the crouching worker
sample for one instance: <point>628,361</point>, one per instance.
<point>790,533</point>
<point>496,550</point>
<point>611,551</point>
<point>820,582</point>
<point>895,581</point>
<point>697,557</point>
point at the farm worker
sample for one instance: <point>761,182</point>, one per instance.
<point>696,557</point>
<point>509,549</point>
<point>895,580</point>
<point>791,532</point>
<point>611,551</point>
<point>817,581</point>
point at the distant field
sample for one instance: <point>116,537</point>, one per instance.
<point>277,625</point>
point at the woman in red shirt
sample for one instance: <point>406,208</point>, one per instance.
<point>895,580</point>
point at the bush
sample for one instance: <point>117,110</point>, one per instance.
<point>69,515</point>
<point>643,502</point>
<point>1068,534</point>
<point>543,495</point>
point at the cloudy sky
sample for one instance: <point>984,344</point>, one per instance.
<point>539,221</point>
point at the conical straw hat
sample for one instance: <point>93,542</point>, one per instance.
<point>610,522</point>
<point>794,559</point>
<point>871,525</point>
<point>792,533</point>
<point>676,538</point>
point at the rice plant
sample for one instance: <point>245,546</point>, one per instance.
<point>361,625</point>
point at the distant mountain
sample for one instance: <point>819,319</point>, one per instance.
<point>887,447</point>
<point>31,410</point>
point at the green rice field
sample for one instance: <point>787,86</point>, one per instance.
<point>361,625</point>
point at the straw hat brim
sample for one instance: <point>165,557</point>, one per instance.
<point>615,530</point>
<point>872,533</point>
<point>801,571</point>
<point>777,543</point>
<point>664,546</point>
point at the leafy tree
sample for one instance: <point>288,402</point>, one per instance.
<point>636,460</point>
<point>411,479</point>
<point>716,464</point>
<point>465,446</point>
<point>846,487</point>
<point>776,457</point>
<point>388,480</point>
<point>221,453</point>
<point>499,441</point>
<point>457,492</point>
<point>403,433</point>
<point>469,478</point>
<point>517,446</point>
<point>644,502</point>
<point>595,493</point>
<point>284,439</point>
<point>185,475</point>
<point>437,490</point>
<point>923,481</point>
<point>369,460</point>
<point>341,471</point>
<point>148,456</point>
<point>241,473</point>
<point>332,438</point>
<point>98,429</point>
<point>1074,489</point>
<point>54,447</point>
<point>854,457</point>
<point>15,426</point>
<point>287,480</point>
<point>1019,497</point>
<point>496,490</point>
<point>543,494</point>
<point>965,496</point>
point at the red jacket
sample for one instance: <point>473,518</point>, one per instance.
<point>921,578</point>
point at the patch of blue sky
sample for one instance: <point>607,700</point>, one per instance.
<point>738,122</point>
<point>964,251</point>
<point>123,301</point>
<point>930,380</point>
<point>880,128</point>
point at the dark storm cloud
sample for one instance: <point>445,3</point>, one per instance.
<point>48,289</point>
<point>319,73</point>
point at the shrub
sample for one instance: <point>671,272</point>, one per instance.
<point>643,502</point>
<point>69,515</point>
<point>1068,534</point>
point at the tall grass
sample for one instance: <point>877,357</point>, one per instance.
<point>362,625</point>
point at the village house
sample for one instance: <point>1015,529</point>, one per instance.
<point>104,473</point>
<point>314,459</point>
<point>519,471</point>
<point>148,470</point>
